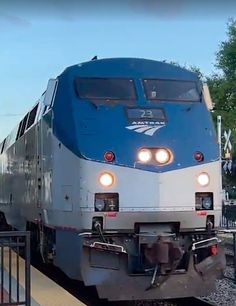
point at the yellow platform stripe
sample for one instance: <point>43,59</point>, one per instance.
<point>43,290</point>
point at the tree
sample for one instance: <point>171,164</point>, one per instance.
<point>226,56</point>
<point>222,85</point>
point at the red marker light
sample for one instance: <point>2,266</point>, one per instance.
<point>111,214</point>
<point>198,156</point>
<point>201,213</point>
<point>213,250</point>
<point>109,156</point>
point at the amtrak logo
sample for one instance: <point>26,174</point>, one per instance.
<point>147,128</point>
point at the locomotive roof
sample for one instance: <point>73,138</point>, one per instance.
<point>130,67</point>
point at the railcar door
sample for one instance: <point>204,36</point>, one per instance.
<point>39,165</point>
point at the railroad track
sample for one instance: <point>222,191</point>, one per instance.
<point>229,245</point>
<point>193,301</point>
<point>229,253</point>
<point>88,295</point>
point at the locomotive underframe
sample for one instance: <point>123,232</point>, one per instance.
<point>147,266</point>
<point>144,264</point>
<point>116,284</point>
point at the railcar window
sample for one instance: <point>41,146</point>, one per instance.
<point>18,132</point>
<point>105,89</point>
<point>23,125</point>
<point>32,116</point>
<point>171,90</point>
<point>3,145</point>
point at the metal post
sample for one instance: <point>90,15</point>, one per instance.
<point>234,238</point>
<point>2,273</point>
<point>27,269</point>
<point>219,133</point>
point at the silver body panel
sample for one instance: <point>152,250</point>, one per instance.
<point>45,179</point>
<point>42,181</point>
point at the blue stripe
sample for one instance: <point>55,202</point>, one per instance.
<point>89,131</point>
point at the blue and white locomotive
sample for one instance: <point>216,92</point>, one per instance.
<point>116,173</point>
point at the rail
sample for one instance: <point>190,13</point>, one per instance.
<point>233,243</point>
<point>14,244</point>
<point>193,301</point>
<point>227,223</point>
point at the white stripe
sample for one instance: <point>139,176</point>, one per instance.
<point>133,127</point>
<point>152,131</point>
<point>143,128</point>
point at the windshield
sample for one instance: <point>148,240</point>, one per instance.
<point>105,89</point>
<point>171,90</point>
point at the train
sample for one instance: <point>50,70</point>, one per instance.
<point>116,173</point>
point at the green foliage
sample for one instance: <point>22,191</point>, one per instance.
<point>229,212</point>
<point>222,86</point>
<point>226,56</point>
<point>222,92</point>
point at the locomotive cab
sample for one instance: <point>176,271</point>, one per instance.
<point>116,172</point>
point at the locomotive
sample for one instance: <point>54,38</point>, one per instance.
<point>116,172</point>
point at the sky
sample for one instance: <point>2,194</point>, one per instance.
<point>39,39</point>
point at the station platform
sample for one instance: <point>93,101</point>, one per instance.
<point>44,291</point>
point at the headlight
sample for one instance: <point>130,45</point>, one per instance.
<point>203,179</point>
<point>163,156</point>
<point>144,155</point>
<point>106,179</point>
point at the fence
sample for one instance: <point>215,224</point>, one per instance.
<point>227,223</point>
<point>228,219</point>
<point>14,269</point>
<point>230,248</point>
